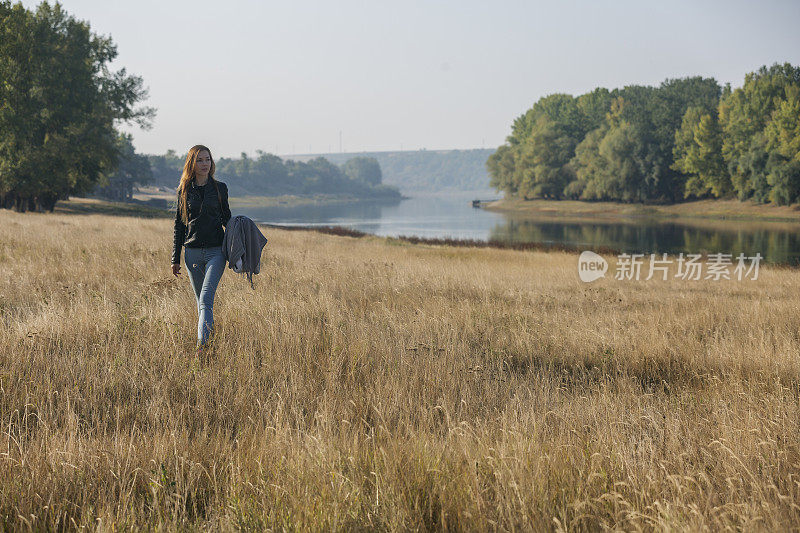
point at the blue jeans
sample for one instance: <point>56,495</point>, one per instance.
<point>205,266</point>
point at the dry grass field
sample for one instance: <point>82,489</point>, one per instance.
<point>370,384</point>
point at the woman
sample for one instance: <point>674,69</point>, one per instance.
<point>202,211</point>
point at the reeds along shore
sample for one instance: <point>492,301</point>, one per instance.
<point>380,385</point>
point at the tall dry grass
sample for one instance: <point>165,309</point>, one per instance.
<point>372,385</point>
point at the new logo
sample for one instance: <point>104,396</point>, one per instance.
<point>591,266</point>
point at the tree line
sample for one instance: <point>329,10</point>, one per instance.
<point>269,175</point>
<point>688,138</point>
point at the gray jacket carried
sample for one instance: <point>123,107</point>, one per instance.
<point>242,246</point>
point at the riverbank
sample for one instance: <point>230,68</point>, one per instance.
<point>167,195</point>
<point>701,209</point>
<point>289,200</point>
<point>369,383</point>
<point>78,205</point>
<point>95,206</point>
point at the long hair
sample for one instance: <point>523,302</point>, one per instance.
<point>188,175</point>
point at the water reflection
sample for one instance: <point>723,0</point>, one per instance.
<point>432,216</point>
<point>316,214</point>
<point>776,242</point>
<point>454,217</point>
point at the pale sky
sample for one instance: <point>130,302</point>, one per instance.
<point>288,77</point>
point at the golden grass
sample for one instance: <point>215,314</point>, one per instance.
<point>370,384</point>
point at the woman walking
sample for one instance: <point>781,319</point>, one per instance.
<point>199,219</point>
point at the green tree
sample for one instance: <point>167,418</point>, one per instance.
<point>750,181</point>
<point>666,109</point>
<point>745,114</point>
<point>623,176</point>
<point>542,144</point>
<point>166,168</point>
<point>783,177</point>
<point>608,162</point>
<point>544,157</point>
<point>593,107</point>
<point>58,106</point>
<point>591,169</point>
<point>363,169</point>
<point>783,142</point>
<point>783,129</point>
<point>698,154</point>
<point>501,170</point>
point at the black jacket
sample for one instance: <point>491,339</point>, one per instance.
<point>204,229</point>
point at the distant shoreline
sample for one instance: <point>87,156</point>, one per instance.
<point>706,209</point>
<point>288,200</point>
<point>150,194</point>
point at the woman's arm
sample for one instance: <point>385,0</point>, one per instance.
<point>226,210</point>
<point>178,236</point>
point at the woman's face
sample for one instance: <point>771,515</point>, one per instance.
<point>202,164</point>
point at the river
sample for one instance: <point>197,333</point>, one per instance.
<point>453,216</point>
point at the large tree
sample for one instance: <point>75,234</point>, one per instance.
<point>783,141</point>
<point>698,154</point>
<point>59,105</point>
<point>745,115</point>
<point>535,163</point>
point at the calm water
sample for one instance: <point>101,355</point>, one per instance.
<point>455,217</point>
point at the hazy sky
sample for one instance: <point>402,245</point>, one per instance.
<point>287,77</point>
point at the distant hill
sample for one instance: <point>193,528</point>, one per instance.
<point>425,171</point>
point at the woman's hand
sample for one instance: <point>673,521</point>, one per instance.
<point>176,270</point>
